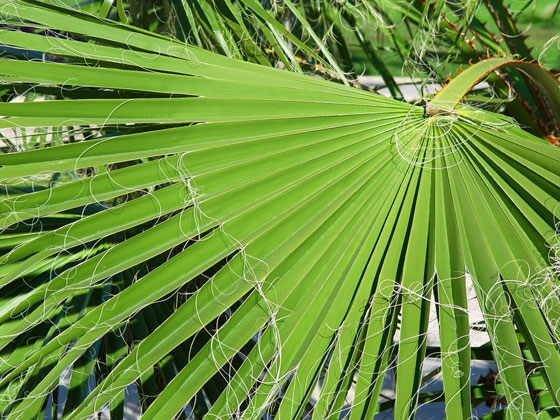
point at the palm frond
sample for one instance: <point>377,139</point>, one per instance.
<point>259,237</point>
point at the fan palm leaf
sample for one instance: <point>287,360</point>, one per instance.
<point>259,236</point>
